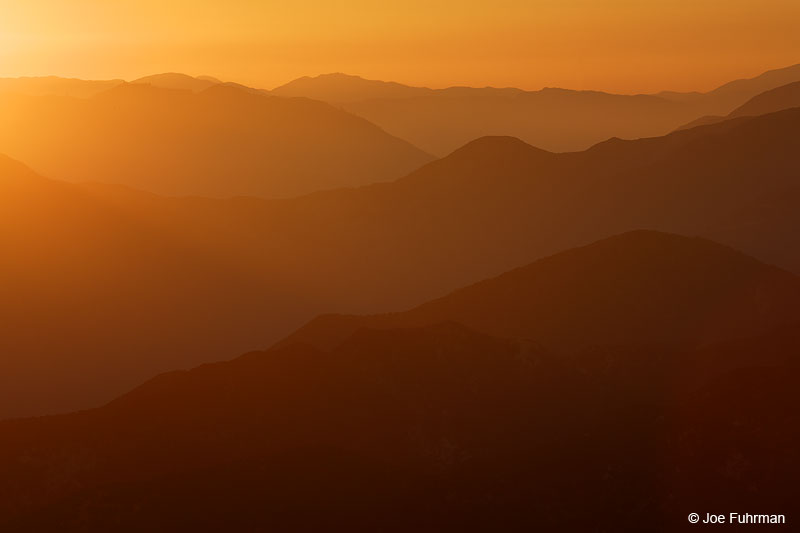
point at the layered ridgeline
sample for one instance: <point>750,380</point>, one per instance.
<point>215,139</point>
<point>783,97</point>
<point>111,286</point>
<point>441,120</point>
<point>443,428</point>
<point>725,98</point>
<point>641,287</point>
<point>176,80</point>
<point>56,86</point>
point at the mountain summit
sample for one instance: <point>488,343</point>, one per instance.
<point>175,80</point>
<point>342,88</point>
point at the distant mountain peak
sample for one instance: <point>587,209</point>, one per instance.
<point>164,76</point>
<point>177,80</point>
<point>497,145</point>
<point>336,75</point>
<point>341,87</point>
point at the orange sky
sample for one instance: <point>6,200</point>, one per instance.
<point>615,45</point>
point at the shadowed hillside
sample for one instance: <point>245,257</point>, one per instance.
<point>220,141</point>
<point>640,287</point>
<point>105,286</point>
<point>727,97</point>
<point>430,429</point>
<point>565,303</point>
<point>784,97</point>
<point>128,284</point>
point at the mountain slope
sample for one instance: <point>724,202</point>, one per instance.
<point>341,88</point>
<point>146,283</point>
<point>262,402</point>
<point>727,97</point>
<point>639,287</point>
<point>778,99</point>
<point>784,97</point>
<point>438,428</point>
<point>105,286</point>
<point>553,119</point>
<point>221,141</point>
<point>441,120</point>
<point>175,80</point>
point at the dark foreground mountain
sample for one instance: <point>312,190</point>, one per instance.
<point>111,286</point>
<point>432,429</point>
<point>642,287</point>
<point>441,120</point>
<point>220,141</point>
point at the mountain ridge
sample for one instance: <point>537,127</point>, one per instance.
<point>534,301</point>
<point>771,101</point>
<point>176,80</point>
<point>230,276</point>
<point>418,419</point>
<point>223,141</point>
<point>557,119</point>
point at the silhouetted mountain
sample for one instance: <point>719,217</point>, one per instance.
<point>726,98</point>
<point>441,120</point>
<point>554,119</point>
<point>702,121</point>
<point>174,80</point>
<point>342,88</point>
<point>139,284</point>
<point>55,86</point>
<point>785,97</point>
<point>641,287</point>
<point>102,284</point>
<point>221,141</point>
<point>432,429</point>
<point>52,85</point>
<point>245,88</point>
<point>210,78</point>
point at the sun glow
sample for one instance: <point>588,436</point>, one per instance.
<point>616,45</point>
